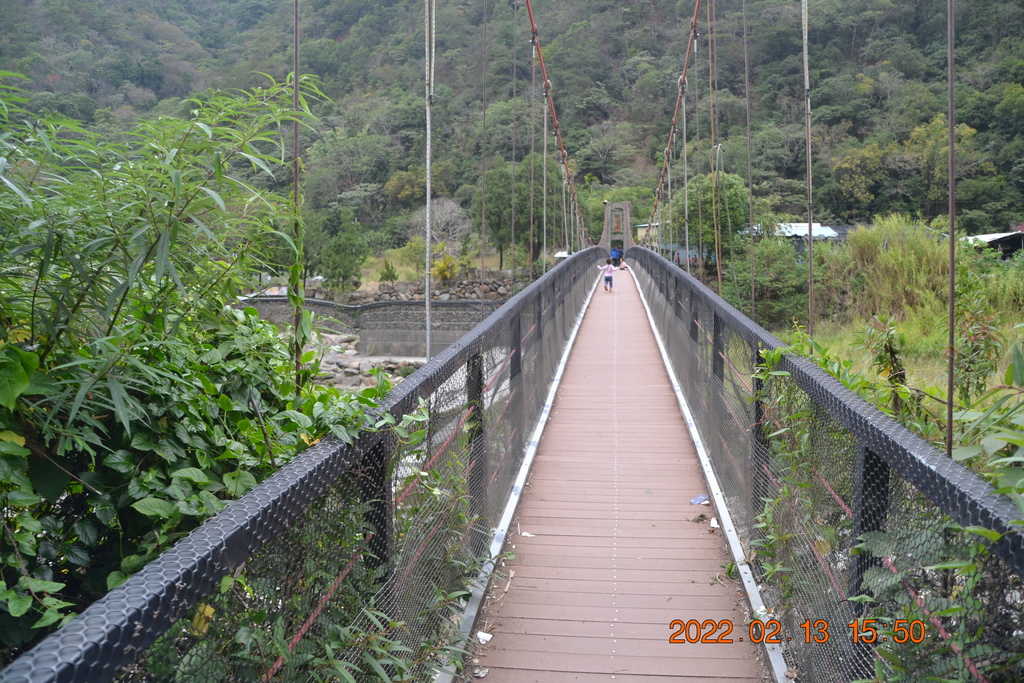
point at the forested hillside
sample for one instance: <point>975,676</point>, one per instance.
<point>878,93</point>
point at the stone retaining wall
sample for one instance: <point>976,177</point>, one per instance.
<point>459,290</point>
<point>387,328</point>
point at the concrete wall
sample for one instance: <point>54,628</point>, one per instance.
<point>394,329</point>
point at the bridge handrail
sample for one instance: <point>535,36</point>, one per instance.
<point>958,491</point>
<point>113,632</point>
<point>836,526</point>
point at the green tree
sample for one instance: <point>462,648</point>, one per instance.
<point>780,284</point>
<point>497,213</point>
<point>724,195</point>
<point>856,176</point>
<point>334,246</point>
<point>407,188</point>
<point>414,254</point>
<point>339,163</point>
<point>920,163</point>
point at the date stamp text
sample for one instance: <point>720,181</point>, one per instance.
<point>723,631</point>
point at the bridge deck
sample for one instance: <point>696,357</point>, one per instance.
<point>615,555</point>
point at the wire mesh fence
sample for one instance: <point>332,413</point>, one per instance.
<point>349,563</point>
<point>876,554</point>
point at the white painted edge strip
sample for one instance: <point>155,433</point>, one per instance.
<point>479,587</point>
<point>775,658</point>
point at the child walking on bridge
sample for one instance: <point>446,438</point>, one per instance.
<point>608,268</point>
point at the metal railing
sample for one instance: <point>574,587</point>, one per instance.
<point>867,541</point>
<point>349,552</point>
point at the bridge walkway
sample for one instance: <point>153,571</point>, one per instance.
<point>609,551</point>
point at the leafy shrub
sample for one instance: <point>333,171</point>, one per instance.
<point>387,272</point>
<point>134,400</point>
<point>780,284</point>
<point>445,268</point>
<point>978,343</point>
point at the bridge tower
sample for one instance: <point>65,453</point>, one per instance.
<point>618,226</point>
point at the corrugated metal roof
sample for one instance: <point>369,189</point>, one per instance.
<point>992,236</point>
<point>818,231</point>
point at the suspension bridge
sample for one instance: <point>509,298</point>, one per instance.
<point>616,551</point>
<point>629,497</point>
<point>828,538</point>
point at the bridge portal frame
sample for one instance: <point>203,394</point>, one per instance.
<point>618,225</point>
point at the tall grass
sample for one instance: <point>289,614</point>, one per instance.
<point>899,268</point>
<point>896,268</point>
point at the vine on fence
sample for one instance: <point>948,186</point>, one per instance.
<point>312,606</point>
<point>919,568</point>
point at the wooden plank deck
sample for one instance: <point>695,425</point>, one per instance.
<point>615,556</point>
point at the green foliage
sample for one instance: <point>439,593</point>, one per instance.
<point>886,345</point>
<point>921,568</point>
<point>413,254</point>
<point>387,272</point>
<point>407,188</point>
<point>780,283</point>
<point>977,340</point>
<point>898,265</point>
<point>498,210</point>
<point>876,87</point>
<point>134,400</point>
<point>722,196</point>
<point>991,429</point>
<point>445,268</point>
<point>249,626</point>
<point>349,170</point>
<point>959,580</point>
<point>334,246</point>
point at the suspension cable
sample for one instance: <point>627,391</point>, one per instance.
<point>810,193</point>
<point>750,167</point>
<point>951,170</point>
<point>728,223</point>
<point>686,187</point>
<point>515,74</point>
<point>429,27</point>
<point>661,241</point>
<point>574,224</point>
<point>483,161</point>
<point>544,188</point>
<point>675,116</point>
<point>700,186</point>
<point>297,226</point>
<point>713,103</point>
<point>672,225</point>
<point>565,213</point>
<point>554,115</point>
<point>533,146</point>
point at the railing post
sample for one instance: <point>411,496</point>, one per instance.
<point>677,293</point>
<point>718,348</point>
<point>515,367</point>
<point>375,489</point>
<point>693,316</point>
<point>870,508</point>
<point>759,460</point>
<point>692,350</point>
<point>475,429</point>
<point>538,370</point>
<point>717,387</point>
<point>669,335</point>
